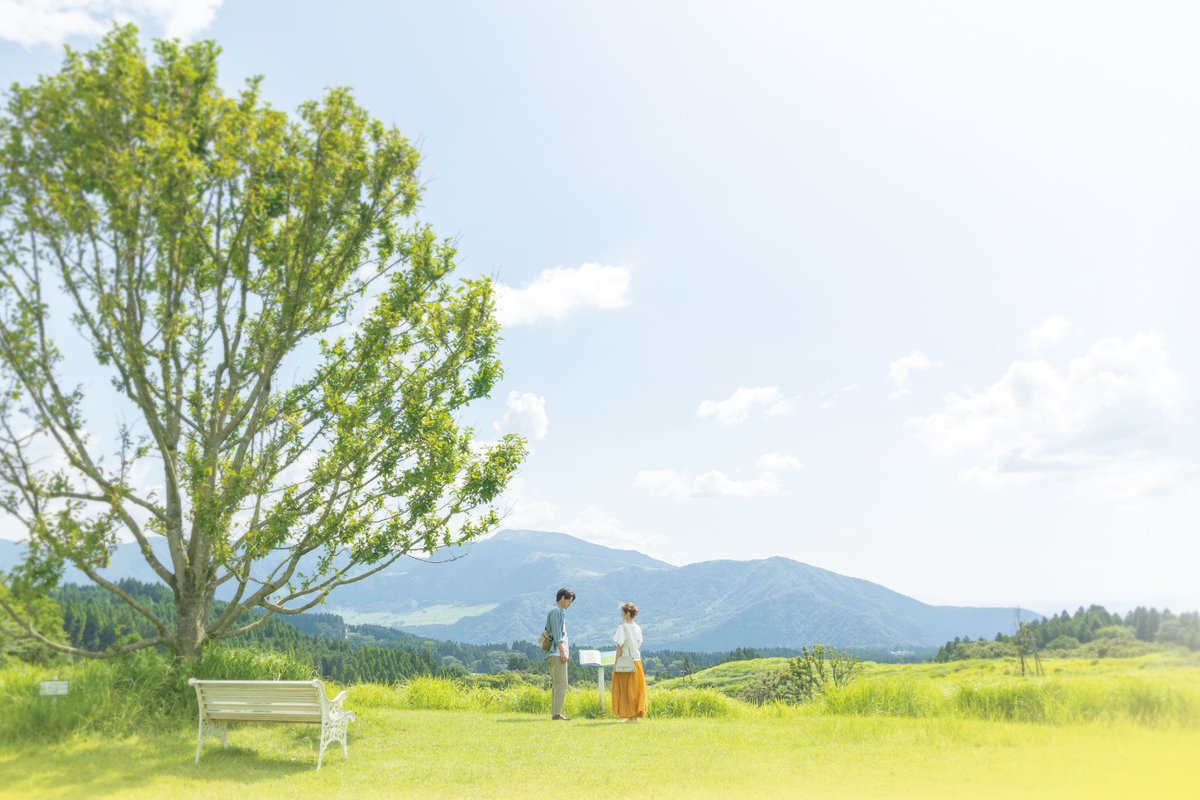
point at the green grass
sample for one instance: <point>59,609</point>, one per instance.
<point>1089,728</point>
<point>468,754</point>
<point>1155,689</point>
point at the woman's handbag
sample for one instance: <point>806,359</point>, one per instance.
<point>545,640</point>
<point>624,662</point>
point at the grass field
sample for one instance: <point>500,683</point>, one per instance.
<point>434,739</point>
<point>472,754</point>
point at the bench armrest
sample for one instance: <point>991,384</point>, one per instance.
<point>337,701</point>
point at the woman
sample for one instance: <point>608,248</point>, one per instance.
<point>629,681</point>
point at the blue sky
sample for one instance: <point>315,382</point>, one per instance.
<point>905,291</point>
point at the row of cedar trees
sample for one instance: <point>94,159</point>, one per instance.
<point>92,618</point>
<point>1146,624</point>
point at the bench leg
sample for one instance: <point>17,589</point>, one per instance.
<point>333,730</point>
<point>199,739</point>
<point>211,729</point>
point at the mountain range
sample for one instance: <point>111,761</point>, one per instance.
<point>500,588</point>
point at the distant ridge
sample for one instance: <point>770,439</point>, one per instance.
<point>499,589</point>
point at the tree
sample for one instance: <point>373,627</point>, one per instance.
<point>212,252</point>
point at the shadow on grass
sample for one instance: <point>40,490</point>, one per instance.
<point>92,768</point>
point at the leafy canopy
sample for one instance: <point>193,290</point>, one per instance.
<point>212,254</point>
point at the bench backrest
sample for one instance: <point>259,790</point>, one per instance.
<point>261,701</point>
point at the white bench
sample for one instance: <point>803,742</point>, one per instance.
<point>222,702</point>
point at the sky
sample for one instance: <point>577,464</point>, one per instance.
<point>905,291</point>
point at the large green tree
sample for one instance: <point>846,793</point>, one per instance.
<point>209,251</point>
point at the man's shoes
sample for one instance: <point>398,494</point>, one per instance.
<point>560,716</point>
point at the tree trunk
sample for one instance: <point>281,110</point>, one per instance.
<point>190,623</point>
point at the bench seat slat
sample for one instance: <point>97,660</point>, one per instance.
<point>257,717</point>
<point>251,686</point>
<point>255,692</point>
<point>283,708</point>
<point>264,696</point>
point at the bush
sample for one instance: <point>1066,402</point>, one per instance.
<point>805,678</point>
<point>1063,643</point>
<point>773,686</point>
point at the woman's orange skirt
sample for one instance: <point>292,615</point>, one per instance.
<point>629,693</point>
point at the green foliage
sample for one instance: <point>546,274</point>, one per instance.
<point>139,692</point>
<point>201,240</point>
<point>43,613</point>
<point>806,678</point>
<point>1077,634</point>
<point>1063,642</point>
<point>147,693</point>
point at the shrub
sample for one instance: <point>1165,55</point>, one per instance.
<point>1063,643</point>
<point>805,678</point>
<point>773,686</point>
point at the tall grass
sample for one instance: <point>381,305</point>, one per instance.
<point>444,694</point>
<point>1039,700</point>
<point>886,698</point>
<point>147,693</point>
<point>140,692</point>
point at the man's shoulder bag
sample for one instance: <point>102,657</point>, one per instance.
<point>545,640</point>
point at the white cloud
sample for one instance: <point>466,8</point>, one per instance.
<point>777,461</point>
<point>1051,332</point>
<point>592,524</point>
<point>52,22</point>
<point>900,369</point>
<point>828,398</point>
<point>669,483</point>
<point>739,405</point>
<point>1105,420</point>
<point>559,290</point>
<point>526,415</point>
<point>599,527</point>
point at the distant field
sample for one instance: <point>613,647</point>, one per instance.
<point>445,614</point>
<point>1112,728</point>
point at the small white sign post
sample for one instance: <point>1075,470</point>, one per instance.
<point>599,660</point>
<point>53,688</point>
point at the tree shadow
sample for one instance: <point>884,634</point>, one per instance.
<point>110,767</point>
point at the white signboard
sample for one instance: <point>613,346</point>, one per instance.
<point>53,688</point>
<point>597,658</point>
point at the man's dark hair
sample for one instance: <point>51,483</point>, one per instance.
<point>564,592</point>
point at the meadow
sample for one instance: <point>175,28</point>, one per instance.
<point>1098,728</point>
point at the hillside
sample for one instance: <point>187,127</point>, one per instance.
<point>499,589</point>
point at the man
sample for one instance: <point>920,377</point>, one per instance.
<point>556,624</point>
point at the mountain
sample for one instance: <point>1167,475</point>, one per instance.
<point>499,590</point>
